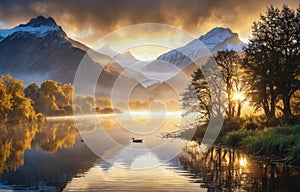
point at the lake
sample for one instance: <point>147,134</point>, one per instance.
<point>56,157</point>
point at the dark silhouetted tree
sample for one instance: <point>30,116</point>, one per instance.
<point>272,60</point>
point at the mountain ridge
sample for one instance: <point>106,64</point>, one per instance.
<point>42,52</point>
<point>217,39</point>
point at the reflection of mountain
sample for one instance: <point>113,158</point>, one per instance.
<point>133,156</point>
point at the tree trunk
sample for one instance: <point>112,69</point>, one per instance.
<point>239,110</point>
<point>286,105</point>
<point>272,102</point>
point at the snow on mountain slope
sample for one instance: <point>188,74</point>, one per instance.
<point>169,64</point>
<point>220,39</point>
<point>35,27</point>
<point>217,39</point>
<point>40,50</point>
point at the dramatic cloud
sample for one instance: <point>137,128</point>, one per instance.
<point>90,19</point>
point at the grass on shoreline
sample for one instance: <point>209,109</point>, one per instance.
<point>283,141</point>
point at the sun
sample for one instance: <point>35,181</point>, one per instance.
<point>243,162</point>
<point>239,96</point>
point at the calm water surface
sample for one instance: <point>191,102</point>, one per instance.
<point>53,158</point>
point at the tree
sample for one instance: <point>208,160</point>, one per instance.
<point>54,90</point>
<point>229,65</point>
<point>104,102</point>
<point>32,91</point>
<point>206,93</point>
<point>5,102</point>
<point>51,98</point>
<point>197,98</point>
<point>21,109</point>
<point>272,59</point>
<point>84,104</point>
<point>289,60</point>
<point>68,91</point>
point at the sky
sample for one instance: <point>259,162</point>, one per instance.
<point>89,20</point>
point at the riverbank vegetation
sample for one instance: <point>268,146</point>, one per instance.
<point>281,143</point>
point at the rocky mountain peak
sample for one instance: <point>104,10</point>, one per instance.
<point>40,21</point>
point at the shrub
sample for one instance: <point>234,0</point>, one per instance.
<point>236,137</point>
<point>275,141</point>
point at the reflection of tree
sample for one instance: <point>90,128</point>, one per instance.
<point>53,170</point>
<point>56,135</point>
<point>222,169</point>
<point>13,142</point>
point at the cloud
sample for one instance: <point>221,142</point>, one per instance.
<point>100,17</point>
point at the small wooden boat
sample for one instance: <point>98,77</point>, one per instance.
<point>137,140</point>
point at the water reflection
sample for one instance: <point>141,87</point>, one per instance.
<point>53,158</point>
<point>222,169</point>
<point>55,135</point>
<point>13,142</point>
<point>112,141</point>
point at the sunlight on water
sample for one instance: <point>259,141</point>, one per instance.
<point>114,178</point>
<point>132,113</point>
<point>111,139</point>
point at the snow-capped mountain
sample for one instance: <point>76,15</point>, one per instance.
<point>217,39</point>
<point>171,63</point>
<point>37,27</point>
<point>40,50</point>
<point>168,65</point>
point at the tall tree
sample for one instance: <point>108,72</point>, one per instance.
<point>205,91</point>
<point>289,63</point>
<point>229,65</point>
<point>272,59</point>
